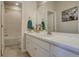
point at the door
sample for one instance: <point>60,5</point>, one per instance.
<point>51,25</point>
<point>2,22</point>
<point>0,28</point>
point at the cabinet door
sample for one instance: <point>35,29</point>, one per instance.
<point>34,49</point>
<point>41,43</point>
<point>60,52</point>
<point>30,46</point>
<point>27,43</point>
<point>40,52</point>
<point>37,51</point>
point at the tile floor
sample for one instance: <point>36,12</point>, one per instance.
<point>13,51</point>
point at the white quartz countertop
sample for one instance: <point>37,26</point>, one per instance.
<point>66,40</point>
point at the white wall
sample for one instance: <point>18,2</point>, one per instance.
<point>28,9</point>
<point>68,27</point>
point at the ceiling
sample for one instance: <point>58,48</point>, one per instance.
<point>13,3</point>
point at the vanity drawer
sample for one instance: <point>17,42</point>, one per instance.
<point>60,52</point>
<point>40,43</point>
<point>40,52</point>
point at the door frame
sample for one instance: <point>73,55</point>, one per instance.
<point>49,10</point>
<point>2,28</point>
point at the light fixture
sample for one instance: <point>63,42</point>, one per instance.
<point>17,3</point>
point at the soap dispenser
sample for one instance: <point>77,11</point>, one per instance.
<point>29,24</point>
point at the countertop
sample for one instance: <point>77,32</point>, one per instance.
<point>64,40</point>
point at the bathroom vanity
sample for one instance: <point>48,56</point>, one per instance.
<point>55,45</point>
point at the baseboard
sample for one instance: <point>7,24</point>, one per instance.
<point>8,37</point>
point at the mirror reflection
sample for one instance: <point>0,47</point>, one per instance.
<point>59,18</point>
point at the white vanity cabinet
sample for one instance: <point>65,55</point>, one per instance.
<point>61,52</point>
<point>34,49</point>
<point>39,48</point>
<point>30,46</point>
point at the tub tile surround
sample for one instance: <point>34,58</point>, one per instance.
<point>65,41</point>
